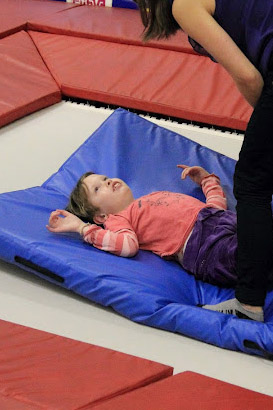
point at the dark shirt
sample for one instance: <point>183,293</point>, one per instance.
<point>250,24</point>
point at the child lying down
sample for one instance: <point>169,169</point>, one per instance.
<point>200,236</point>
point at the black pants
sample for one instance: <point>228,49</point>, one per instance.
<point>253,189</point>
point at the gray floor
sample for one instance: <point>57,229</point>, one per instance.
<point>32,149</point>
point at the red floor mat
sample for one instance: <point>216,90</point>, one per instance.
<point>42,370</point>
<point>105,23</point>
<point>189,391</point>
<point>9,403</point>
<point>25,83</point>
<point>157,80</point>
<point>14,14</point>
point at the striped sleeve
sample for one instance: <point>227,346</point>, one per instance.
<point>213,192</point>
<point>122,243</point>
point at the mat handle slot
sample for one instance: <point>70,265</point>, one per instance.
<point>249,344</point>
<point>40,269</point>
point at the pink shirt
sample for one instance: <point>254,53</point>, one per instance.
<point>159,222</point>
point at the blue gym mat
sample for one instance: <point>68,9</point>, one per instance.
<point>145,288</point>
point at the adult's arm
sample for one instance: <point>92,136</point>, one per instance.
<point>196,19</point>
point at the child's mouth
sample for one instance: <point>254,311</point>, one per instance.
<point>116,185</point>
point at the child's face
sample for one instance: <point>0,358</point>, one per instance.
<point>109,195</point>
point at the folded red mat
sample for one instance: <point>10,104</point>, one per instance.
<point>15,14</point>
<point>108,24</point>
<point>189,391</point>
<point>151,79</point>
<point>26,85</point>
<point>42,370</point>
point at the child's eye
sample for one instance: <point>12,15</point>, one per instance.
<point>96,189</point>
<point>105,178</point>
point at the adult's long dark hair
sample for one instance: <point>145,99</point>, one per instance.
<point>157,18</point>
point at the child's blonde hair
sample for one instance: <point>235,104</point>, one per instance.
<point>79,204</point>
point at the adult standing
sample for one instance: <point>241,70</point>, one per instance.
<point>239,36</point>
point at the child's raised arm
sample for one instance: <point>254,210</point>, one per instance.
<point>195,173</point>
<point>209,183</point>
<point>213,192</point>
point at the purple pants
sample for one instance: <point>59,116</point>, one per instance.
<point>211,251</point>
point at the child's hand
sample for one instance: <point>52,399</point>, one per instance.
<point>195,173</point>
<point>64,221</point>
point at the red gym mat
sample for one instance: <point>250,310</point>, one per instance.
<point>156,80</point>
<point>8,403</point>
<point>189,391</point>
<point>15,13</point>
<point>41,370</point>
<point>25,83</point>
<point>105,23</point>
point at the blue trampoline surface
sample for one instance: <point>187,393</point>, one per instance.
<point>145,288</point>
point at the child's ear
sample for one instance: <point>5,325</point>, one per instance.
<point>100,218</point>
